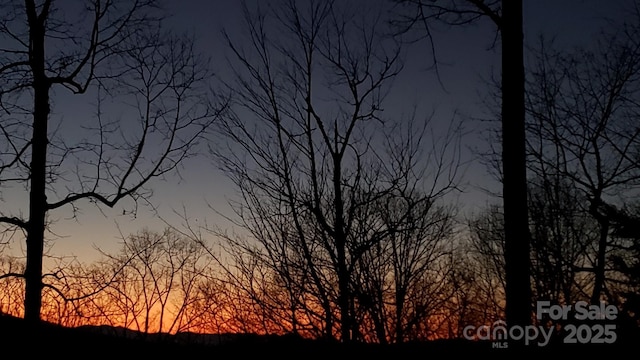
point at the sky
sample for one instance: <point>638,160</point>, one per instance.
<point>466,61</point>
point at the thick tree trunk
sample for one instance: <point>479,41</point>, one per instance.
<point>518,289</point>
<point>37,195</point>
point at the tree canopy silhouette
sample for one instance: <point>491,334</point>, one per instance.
<point>118,53</point>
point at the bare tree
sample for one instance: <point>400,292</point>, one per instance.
<point>507,17</point>
<point>403,280</point>
<point>486,249</point>
<point>562,234</point>
<point>158,281</point>
<point>11,290</point>
<point>625,287</point>
<point>117,52</point>
<point>584,108</point>
<point>302,147</point>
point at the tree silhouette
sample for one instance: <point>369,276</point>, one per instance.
<point>403,281</point>
<point>562,234</point>
<point>117,52</point>
<point>305,146</point>
<point>626,289</point>
<point>507,17</point>
<point>157,281</point>
<point>583,107</point>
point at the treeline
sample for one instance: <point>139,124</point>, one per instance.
<point>169,282</point>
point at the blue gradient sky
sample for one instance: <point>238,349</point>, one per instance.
<point>466,60</point>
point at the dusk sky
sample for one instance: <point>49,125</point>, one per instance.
<point>465,60</point>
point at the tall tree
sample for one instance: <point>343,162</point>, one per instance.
<point>506,15</point>
<point>514,167</point>
<point>303,169</point>
<point>117,52</point>
<point>307,140</point>
<point>583,110</point>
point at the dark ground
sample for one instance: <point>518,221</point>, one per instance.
<point>83,343</point>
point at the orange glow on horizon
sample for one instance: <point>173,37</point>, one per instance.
<point>229,318</point>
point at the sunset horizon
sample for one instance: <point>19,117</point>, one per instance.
<point>458,175</point>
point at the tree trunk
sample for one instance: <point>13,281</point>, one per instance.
<point>400,296</point>
<point>340,239</point>
<point>343,296</point>
<point>37,194</point>
<point>518,289</point>
<point>599,268</point>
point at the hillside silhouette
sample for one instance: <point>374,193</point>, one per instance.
<point>107,342</point>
